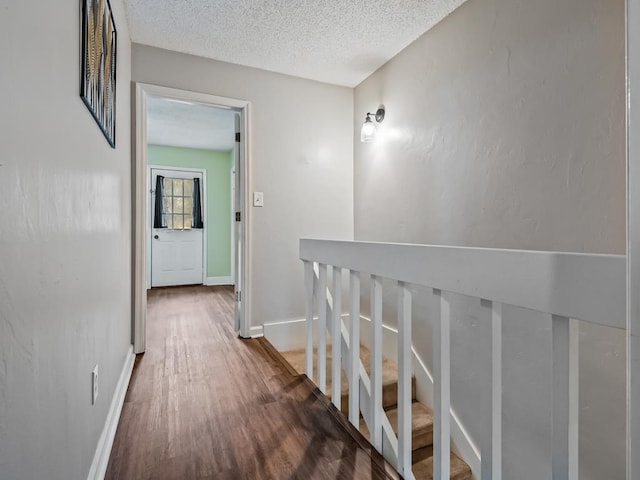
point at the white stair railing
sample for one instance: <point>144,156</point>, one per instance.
<point>360,387</point>
<point>566,286</point>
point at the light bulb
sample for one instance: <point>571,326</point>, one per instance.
<point>368,132</point>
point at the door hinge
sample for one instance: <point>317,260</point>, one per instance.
<point>238,296</point>
<point>238,217</point>
<point>238,137</point>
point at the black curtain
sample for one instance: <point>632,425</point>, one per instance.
<point>159,215</point>
<point>197,205</point>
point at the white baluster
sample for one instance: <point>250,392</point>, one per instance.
<point>376,362</point>
<point>564,430</point>
<point>496,391</point>
<point>574,399</point>
<point>491,443</point>
<point>354,348</point>
<point>404,380</point>
<point>336,339</point>
<point>308,286</point>
<point>441,384</point>
<point>322,327</point>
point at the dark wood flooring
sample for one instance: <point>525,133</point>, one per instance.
<point>203,403</point>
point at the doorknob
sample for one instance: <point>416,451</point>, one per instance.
<point>156,237</point>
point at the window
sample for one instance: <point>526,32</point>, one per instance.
<point>177,203</point>
<point>177,198</point>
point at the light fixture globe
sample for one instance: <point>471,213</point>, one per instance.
<point>368,132</point>
<point>369,129</point>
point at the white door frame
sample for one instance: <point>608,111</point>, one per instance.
<point>203,193</point>
<point>140,189</point>
<point>633,236</point>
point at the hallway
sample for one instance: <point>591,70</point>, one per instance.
<point>203,403</point>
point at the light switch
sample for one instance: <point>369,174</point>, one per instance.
<point>258,199</point>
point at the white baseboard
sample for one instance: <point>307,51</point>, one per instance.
<point>287,335</point>
<point>105,443</point>
<point>256,332</point>
<point>290,334</point>
<point>210,281</point>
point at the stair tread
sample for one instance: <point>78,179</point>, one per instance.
<point>297,359</point>
<point>423,470</point>
<point>421,418</point>
<point>421,415</point>
<point>421,425</point>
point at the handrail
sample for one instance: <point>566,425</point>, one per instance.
<point>564,286</point>
<point>588,287</point>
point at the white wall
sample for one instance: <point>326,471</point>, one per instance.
<point>505,128</point>
<point>301,158</point>
<point>65,236</point>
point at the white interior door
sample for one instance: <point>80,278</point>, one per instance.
<point>177,248</point>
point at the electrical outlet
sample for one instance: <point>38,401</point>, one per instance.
<point>94,385</point>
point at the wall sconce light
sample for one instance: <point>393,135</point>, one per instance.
<point>368,132</point>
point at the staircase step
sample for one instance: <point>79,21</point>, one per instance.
<point>421,424</point>
<point>421,415</point>
<point>389,395</point>
<point>296,359</point>
<point>417,455</point>
<point>423,465</point>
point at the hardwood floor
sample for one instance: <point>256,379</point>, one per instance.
<point>203,403</point>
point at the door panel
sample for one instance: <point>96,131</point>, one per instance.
<point>176,258</point>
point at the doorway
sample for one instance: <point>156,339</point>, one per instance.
<point>143,184</point>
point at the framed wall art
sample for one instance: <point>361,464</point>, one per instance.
<point>98,65</point>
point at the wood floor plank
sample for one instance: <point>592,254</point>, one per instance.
<point>204,404</point>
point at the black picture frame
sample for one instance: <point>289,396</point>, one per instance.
<point>98,64</point>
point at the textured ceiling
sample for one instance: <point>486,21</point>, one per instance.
<point>334,41</point>
<point>183,124</point>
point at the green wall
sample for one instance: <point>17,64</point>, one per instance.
<point>218,166</point>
